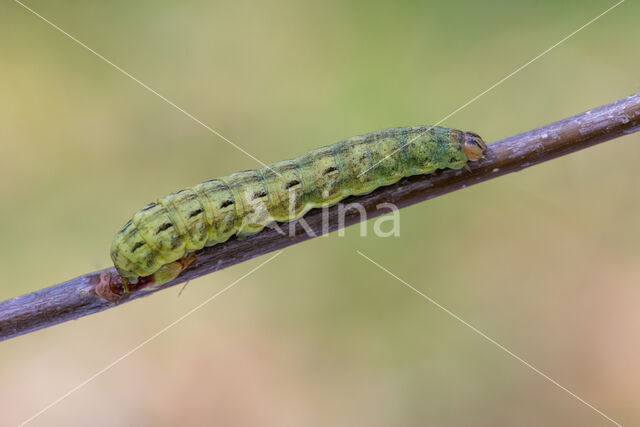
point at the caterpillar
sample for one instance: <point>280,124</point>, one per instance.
<point>160,239</point>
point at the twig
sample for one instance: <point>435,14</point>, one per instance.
<point>76,297</point>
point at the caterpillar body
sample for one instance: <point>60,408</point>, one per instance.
<point>158,242</point>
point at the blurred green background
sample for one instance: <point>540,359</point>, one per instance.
<point>544,261</point>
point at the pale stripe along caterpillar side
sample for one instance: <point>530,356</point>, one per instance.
<point>159,241</point>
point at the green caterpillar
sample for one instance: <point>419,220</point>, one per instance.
<point>159,241</point>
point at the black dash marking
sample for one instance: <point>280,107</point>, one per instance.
<point>291,184</point>
<point>226,203</point>
<point>149,206</point>
<point>329,170</point>
<point>164,227</point>
<point>194,213</point>
<point>137,246</point>
<point>259,194</point>
<point>127,225</point>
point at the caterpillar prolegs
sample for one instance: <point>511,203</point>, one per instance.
<point>158,242</point>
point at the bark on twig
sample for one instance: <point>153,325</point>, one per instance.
<point>76,297</point>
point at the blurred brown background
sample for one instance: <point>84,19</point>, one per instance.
<point>544,261</point>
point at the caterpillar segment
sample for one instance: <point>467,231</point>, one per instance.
<point>160,239</point>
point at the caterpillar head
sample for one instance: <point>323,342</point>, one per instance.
<point>474,146</point>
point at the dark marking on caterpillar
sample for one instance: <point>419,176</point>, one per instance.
<point>127,225</point>
<point>163,227</point>
<point>226,203</point>
<point>175,242</point>
<point>328,170</point>
<point>137,246</point>
<point>196,212</point>
<point>259,194</point>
